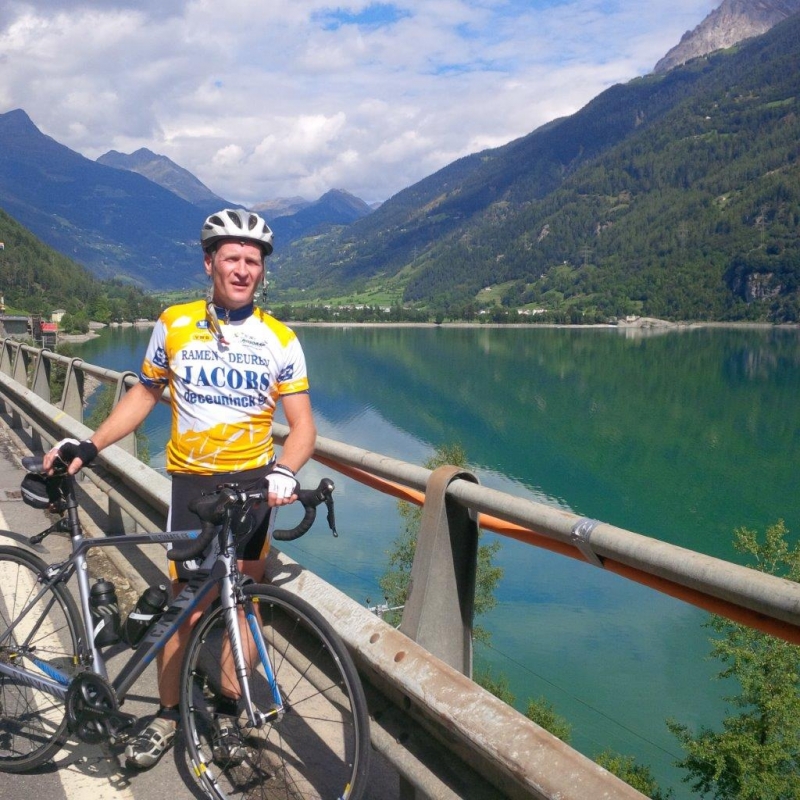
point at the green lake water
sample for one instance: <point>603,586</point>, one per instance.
<point>682,436</point>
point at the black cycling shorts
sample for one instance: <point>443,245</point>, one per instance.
<point>188,487</point>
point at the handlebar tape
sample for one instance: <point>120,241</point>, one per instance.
<point>308,520</point>
<point>211,509</point>
<point>188,549</point>
<point>310,498</point>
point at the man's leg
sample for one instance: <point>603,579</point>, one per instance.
<point>231,722</point>
<point>148,747</point>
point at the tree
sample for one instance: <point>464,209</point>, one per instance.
<point>756,756</point>
<point>75,323</point>
<point>395,580</point>
<point>539,711</point>
<point>498,686</point>
<point>544,714</point>
<point>636,775</point>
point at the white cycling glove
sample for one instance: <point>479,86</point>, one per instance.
<point>281,482</point>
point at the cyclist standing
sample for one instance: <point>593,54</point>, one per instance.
<point>227,364</point>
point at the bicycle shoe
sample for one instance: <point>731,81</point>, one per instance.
<point>227,747</point>
<point>148,747</point>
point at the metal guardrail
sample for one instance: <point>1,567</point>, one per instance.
<point>426,710</point>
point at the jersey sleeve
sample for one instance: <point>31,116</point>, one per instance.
<point>155,366</point>
<point>293,377</point>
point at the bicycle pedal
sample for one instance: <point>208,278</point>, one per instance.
<point>120,733</point>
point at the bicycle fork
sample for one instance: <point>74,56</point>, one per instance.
<point>256,717</point>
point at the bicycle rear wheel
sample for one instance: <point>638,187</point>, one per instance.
<point>44,642</point>
<point>319,748</point>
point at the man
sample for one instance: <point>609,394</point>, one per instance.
<point>227,363</point>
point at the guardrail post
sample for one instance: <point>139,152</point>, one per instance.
<point>119,521</point>
<point>7,356</point>
<point>40,386</point>
<point>441,598</point>
<point>20,367</point>
<point>73,394</point>
<point>6,363</point>
<point>40,381</point>
<point>441,595</point>
<point>128,443</point>
<point>19,372</point>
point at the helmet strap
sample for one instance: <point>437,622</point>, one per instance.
<point>264,286</point>
<point>212,320</point>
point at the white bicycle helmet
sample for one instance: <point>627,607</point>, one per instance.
<point>230,223</point>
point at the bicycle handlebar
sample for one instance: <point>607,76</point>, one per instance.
<point>214,508</point>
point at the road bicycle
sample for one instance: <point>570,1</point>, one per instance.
<point>307,732</point>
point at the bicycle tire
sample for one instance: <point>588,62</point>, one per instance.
<point>34,724</point>
<point>320,747</point>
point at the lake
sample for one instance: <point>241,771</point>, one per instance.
<point>682,435</point>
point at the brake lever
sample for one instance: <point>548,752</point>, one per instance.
<point>331,519</point>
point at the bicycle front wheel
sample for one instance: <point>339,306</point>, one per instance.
<point>44,643</point>
<point>318,746</point>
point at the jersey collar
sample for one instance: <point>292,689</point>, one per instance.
<point>237,315</point>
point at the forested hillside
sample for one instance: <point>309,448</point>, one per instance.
<point>676,195</point>
<point>35,279</point>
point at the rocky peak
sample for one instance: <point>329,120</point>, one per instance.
<point>166,173</point>
<point>730,23</point>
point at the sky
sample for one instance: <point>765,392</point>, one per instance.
<point>263,100</point>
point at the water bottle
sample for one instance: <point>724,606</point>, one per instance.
<point>149,607</point>
<point>105,612</point>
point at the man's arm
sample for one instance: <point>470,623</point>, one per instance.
<point>299,444</point>
<point>297,448</point>
<point>125,418</point>
<point>127,415</point>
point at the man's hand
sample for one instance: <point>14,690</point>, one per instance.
<point>69,453</point>
<point>282,486</point>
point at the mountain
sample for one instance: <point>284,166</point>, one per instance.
<point>117,223</point>
<point>132,216</point>
<point>167,173</point>
<point>281,206</point>
<point>731,23</point>
<point>289,217</point>
<point>674,195</point>
<point>334,208</point>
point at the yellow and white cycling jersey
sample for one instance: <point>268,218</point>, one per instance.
<point>224,389</point>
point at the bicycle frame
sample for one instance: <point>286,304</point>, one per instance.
<point>222,573</point>
<point>238,729</point>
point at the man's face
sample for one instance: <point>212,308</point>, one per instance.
<point>236,269</point>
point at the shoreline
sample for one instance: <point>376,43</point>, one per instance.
<point>643,325</point>
<point>94,327</point>
<point>650,324</point>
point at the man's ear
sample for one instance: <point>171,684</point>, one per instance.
<point>207,258</point>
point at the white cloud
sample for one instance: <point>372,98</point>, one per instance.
<point>300,96</point>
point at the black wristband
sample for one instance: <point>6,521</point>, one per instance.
<point>284,468</point>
